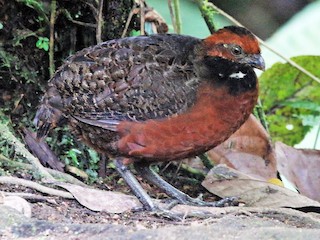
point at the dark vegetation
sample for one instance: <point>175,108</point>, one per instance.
<point>25,60</point>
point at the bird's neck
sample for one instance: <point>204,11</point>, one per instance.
<point>237,78</point>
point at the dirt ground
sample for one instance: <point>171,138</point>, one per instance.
<point>59,218</point>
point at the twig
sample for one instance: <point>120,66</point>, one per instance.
<point>176,7</point>
<point>60,176</point>
<point>99,22</point>
<point>192,170</point>
<point>68,16</point>
<point>173,19</point>
<point>24,195</point>
<point>20,149</point>
<point>132,12</point>
<point>207,14</point>
<point>292,63</point>
<point>36,186</point>
<point>51,43</point>
<point>142,20</point>
<point>261,115</point>
<point>206,161</point>
<point>93,8</point>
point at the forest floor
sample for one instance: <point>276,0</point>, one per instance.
<point>59,218</point>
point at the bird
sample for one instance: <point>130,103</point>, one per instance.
<point>156,98</point>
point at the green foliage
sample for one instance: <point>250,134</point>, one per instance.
<point>17,67</point>
<point>291,99</point>
<point>6,149</point>
<point>72,157</point>
<point>43,43</point>
<point>93,164</point>
<point>135,33</point>
<point>74,153</point>
<point>38,6</point>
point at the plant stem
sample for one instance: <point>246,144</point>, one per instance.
<point>99,22</point>
<point>207,14</point>
<point>174,8</point>
<point>142,20</point>
<point>177,16</point>
<point>261,115</point>
<point>51,43</point>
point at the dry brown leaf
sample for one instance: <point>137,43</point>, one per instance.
<point>301,167</point>
<point>224,182</point>
<point>248,150</point>
<point>98,200</point>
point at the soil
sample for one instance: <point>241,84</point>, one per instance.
<point>59,218</point>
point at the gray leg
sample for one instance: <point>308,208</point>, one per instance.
<point>135,186</point>
<point>154,178</point>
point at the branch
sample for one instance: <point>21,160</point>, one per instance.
<point>61,176</point>
<point>99,22</point>
<point>36,186</point>
<point>207,13</point>
<point>142,20</point>
<point>68,16</point>
<point>133,11</point>
<point>176,7</point>
<point>175,15</point>
<point>51,43</point>
<point>24,195</point>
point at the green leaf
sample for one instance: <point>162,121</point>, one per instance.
<point>287,95</point>
<point>43,43</point>
<point>94,156</point>
<point>73,155</point>
<point>134,33</point>
<point>45,47</point>
<point>39,43</point>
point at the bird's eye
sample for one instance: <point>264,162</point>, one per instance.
<point>236,50</point>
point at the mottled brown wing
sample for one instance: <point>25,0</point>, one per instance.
<point>135,78</point>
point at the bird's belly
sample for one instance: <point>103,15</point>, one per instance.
<point>206,125</point>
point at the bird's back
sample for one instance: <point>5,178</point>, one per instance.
<point>136,78</point>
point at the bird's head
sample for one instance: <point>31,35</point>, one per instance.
<point>236,44</point>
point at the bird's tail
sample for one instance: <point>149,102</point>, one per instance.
<point>48,115</point>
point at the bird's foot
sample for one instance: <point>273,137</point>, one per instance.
<point>160,212</point>
<point>187,200</point>
<point>167,214</point>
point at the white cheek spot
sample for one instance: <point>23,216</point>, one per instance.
<point>238,75</point>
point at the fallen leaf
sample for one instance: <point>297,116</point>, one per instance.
<point>225,182</point>
<point>300,167</point>
<point>248,150</point>
<point>98,200</point>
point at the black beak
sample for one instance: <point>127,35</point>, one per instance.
<point>255,60</point>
